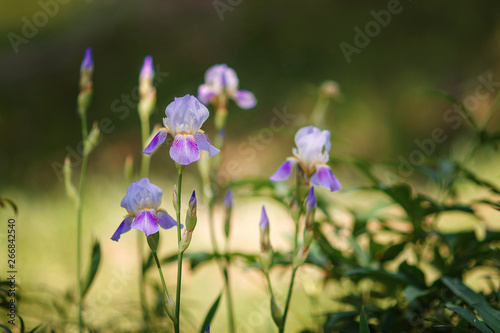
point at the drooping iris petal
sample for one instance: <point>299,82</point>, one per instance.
<point>157,140</point>
<point>324,177</point>
<point>146,221</point>
<point>165,220</point>
<point>203,143</point>
<point>245,99</point>
<point>205,93</point>
<point>184,150</point>
<point>284,171</point>
<point>123,228</point>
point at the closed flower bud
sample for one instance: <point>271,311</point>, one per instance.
<point>92,139</point>
<point>300,256</point>
<point>86,70</point>
<point>191,218</point>
<point>146,89</point>
<point>169,308</point>
<point>311,205</point>
<point>68,184</point>
<point>330,89</point>
<point>185,240</point>
<point>266,250</point>
<point>228,205</point>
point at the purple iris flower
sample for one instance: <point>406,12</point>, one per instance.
<point>147,70</point>
<point>185,115</point>
<point>142,203</point>
<point>87,63</point>
<point>311,155</point>
<point>221,80</point>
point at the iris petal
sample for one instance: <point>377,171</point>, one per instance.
<point>157,140</point>
<point>203,143</point>
<point>146,221</point>
<point>284,171</point>
<point>165,220</point>
<point>123,228</point>
<point>324,177</point>
<point>184,150</point>
<point>245,99</point>
<point>205,93</point>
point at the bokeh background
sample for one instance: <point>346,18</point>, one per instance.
<point>281,50</point>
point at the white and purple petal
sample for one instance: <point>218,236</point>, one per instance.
<point>206,93</point>
<point>203,143</point>
<point>165,220</point>
<point>324,177</point>
<point>184,150</point>
<point>284,171</point>
<point>185,115</point>
<point>146,221</point>
<point>245,99</point>
<point>158,139</point>
<point>123,228</point>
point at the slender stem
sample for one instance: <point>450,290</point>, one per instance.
<point>211,205</point>
<point>145,159</point>
<point>288,298</point>
<point>161,273</point>
<point>269,284</point>
<point>140,241</point>
<point>179,255</point>
<point>229,297</point>
<point>81,191</point>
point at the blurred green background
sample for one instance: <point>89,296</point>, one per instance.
<point>281,50</point>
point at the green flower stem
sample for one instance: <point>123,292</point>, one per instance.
<point>296,246</point>
<point>79,213</point>
<point>144,172</point>
<point>179,255</point>
<point>167,306</point>
<point>229,297</point>
<point>288,298</point>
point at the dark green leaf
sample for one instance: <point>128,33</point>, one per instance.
<point>393,251</point>
<point>332,321</point>
<point>95,260</point>
<point>413,274</point>
<point>210,315</point>
<point>490,316</point>
<point>462,291</point>
<point>470,317</point>
<point>363,322</point>
<point>6,329</point>
<point>11,203</point>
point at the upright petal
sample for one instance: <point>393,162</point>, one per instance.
<point>146,221</point>
<point>203,143</point>
<point>205,93</point>
<point>123,228</point>
<point>284,171</point>
<point>245,99</point>
<point>185,115</point>
<point>324,177</point>
<point>157,140</point>
<point>184,150</point>
<point>165,220</point>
